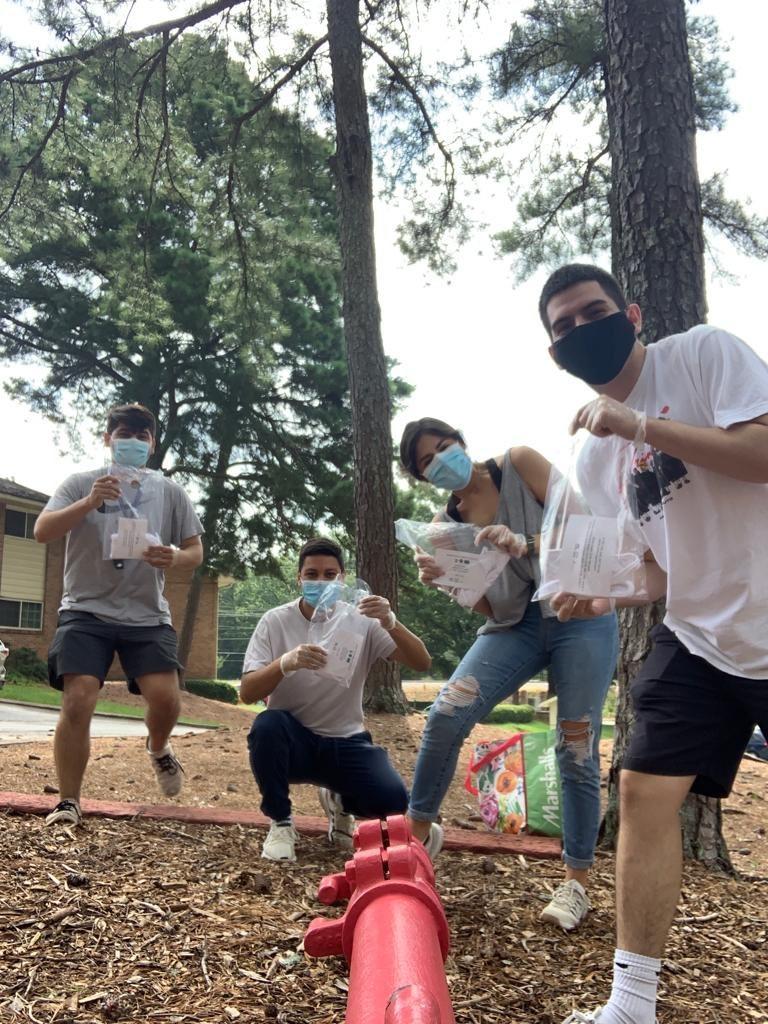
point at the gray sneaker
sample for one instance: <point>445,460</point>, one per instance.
<point>168,770</point>
<point>568,907</point>
<point>341,826</point>
<point>66,812</point>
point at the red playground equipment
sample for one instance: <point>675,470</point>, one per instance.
<point>394,932</point>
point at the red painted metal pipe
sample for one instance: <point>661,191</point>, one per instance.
<point>394,933</point>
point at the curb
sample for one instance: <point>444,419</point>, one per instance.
<point>488,843</point>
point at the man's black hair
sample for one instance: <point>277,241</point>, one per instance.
<point>133,416</point>
<point>321,546</point>
<point>575,273</point>
<point>411,435</point>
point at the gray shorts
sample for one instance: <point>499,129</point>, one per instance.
<point>85,645</point>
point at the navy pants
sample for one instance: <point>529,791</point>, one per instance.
<point>283,751</point>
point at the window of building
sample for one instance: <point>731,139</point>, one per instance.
<point>21,614</point>
<point>20,524</point>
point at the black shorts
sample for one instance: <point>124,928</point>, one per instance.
<point>85,645</point>
<point>692,718</point>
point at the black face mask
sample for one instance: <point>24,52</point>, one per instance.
<point>596,352</point>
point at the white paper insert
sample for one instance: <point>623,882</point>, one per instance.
<point>589,555</point>
<point>461,569</point>
<point>343,649</point>
<point>130,541</point>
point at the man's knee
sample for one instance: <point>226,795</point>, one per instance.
<point>268,728</point>
<point>160,690</point>
<point>390,797</point>
<point>78,699</point>
<point>643,795</point>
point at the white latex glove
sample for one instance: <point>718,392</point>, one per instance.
<point>304,656</point>
<point>513,544</point>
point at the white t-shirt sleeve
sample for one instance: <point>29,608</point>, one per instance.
<point>380,643</point>
<point>259,652</point>
<point>730,377</point>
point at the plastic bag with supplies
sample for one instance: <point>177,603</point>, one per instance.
<point>590,555</point>
<point>134,521</point>
<point>469,569</point>
<point>339,628</point>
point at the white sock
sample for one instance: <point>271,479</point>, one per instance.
<point>167,749</point>
<point>633,996</point>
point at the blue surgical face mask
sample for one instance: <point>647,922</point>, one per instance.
<point>130,451</point>
<point>313,590</point>
<point>450,469</point>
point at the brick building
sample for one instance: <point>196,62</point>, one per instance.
<point>31,579</point>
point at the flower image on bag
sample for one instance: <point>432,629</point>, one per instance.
<point>517,784</point>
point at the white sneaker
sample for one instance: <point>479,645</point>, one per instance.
<point>341,826</point>
<point>66,812</point>
<point>168,770</point>
<point>280,843</point>
<point>567,908</point>
<point>433,844</point>
<point>587,1018</point>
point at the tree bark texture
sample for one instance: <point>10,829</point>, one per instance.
<point>368,381</point>
<point>657,233</point>
<point>658,258</point>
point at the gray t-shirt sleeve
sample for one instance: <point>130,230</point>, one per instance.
<point>67,493</point>
<point>185,521</point>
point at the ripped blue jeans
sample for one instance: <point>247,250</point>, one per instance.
<point>581,657</point>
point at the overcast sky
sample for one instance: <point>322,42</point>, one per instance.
<point>472,346</point>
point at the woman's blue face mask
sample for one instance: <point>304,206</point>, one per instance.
<point>450,469</point>
<point>313,590</point>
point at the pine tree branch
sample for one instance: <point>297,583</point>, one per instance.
<point>410,88</point>
<point>58,119</point>
<point>240,121</point>
<point>122,39</point>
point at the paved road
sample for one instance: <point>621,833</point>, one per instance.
<point>22,724</point>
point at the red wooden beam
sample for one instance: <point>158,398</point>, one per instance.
<point>489,843</point>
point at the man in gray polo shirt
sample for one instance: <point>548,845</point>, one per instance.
<point>116,605</point>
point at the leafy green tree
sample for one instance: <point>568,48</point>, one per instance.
<point>261,32</point>
<point>120,275</point>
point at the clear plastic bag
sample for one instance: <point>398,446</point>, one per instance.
<point>589,555</point>
<point>134,521</point>
<point>470,570</point>
<point>339,628</point>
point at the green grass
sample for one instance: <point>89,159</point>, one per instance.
<point>606,732</point>
<point>39,693</point>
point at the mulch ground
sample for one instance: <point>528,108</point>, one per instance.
<point>147,920</point>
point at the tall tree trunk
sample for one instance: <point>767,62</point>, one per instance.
<point>209,521</point>
<point>658,257</point>
<point>368,384</point>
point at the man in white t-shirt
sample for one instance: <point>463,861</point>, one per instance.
<point>688,419</point>
<point>312,730</point>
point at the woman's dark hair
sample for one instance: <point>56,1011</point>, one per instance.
<point>411,435</point>
<point>321,546</point>
<point>133,416</point>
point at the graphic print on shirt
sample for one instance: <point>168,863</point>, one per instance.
<point>653,479</point>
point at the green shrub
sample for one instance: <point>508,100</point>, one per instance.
<point>213,689</point>
<point>503,713</point>
<point>24,665</point>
